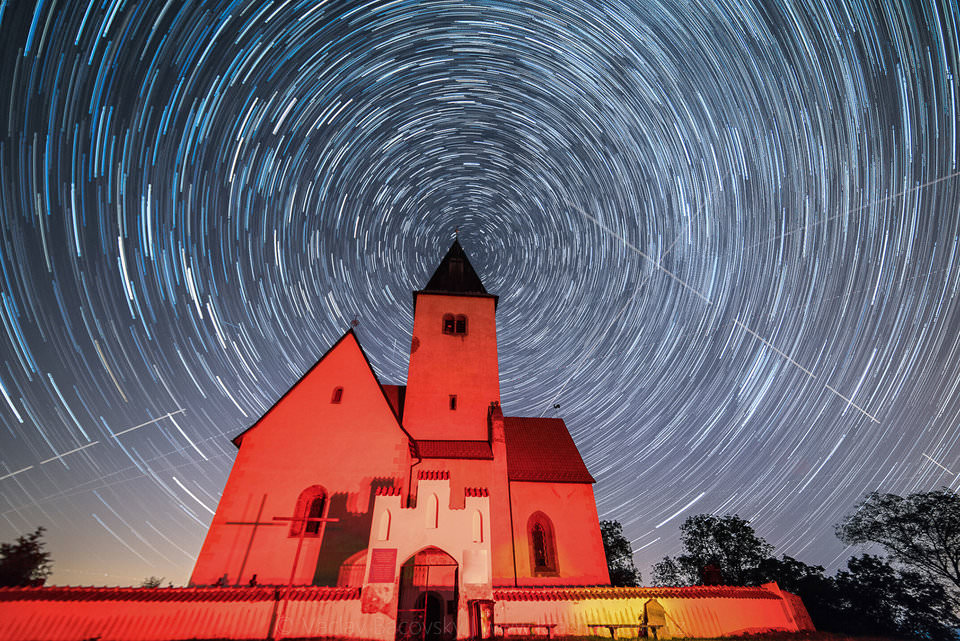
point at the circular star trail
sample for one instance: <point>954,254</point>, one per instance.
<point>724,234</point>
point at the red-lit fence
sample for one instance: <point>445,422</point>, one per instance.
<point>168,614</point>
<point>690,611</point>
<point>171,614</point>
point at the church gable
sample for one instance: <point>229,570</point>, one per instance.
<point>342,381</point>
<point>322,450</point>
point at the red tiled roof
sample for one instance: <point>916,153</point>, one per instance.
<point>259,593</point>
<point>541,449</point>
<point>433,475</point>
<point>455,449</point>
<point>475,491</point>
<point>605,592</point>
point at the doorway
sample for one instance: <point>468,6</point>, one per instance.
<point>428,597</point>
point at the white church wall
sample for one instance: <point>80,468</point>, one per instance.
<point>462,533</point>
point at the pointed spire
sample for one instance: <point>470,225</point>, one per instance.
<point>455,274</point>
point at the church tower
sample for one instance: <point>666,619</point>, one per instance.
<point>453,376</point>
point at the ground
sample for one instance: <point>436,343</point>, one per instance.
<point>771,636</point>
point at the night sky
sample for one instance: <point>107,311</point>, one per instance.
<point>724,235</point>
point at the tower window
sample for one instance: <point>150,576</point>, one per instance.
<point>454,324</point>
<point>453,401</point>
<point>337,395</point>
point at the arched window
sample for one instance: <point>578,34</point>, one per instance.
<point>543,547</point>
<point>433,511</point>
<point>337,395</point>
<point>315,512</point>
<point>383,528</point>
<point>539,547</point>
<point>312,503</point>
<point>477,527</point>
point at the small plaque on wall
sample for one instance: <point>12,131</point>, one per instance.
<point>383,565</point>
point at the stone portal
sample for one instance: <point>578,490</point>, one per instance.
<point>428,597</point>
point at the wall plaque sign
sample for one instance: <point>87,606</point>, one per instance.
<point>383,565</point>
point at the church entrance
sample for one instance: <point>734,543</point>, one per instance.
<point>427,603</point>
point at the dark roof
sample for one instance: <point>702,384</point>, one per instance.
<point>455,449</point>
<point>455,275</point>
<point>541,449</point>
<point>605,592</point>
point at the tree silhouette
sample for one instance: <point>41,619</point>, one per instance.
<point>25,562</point>
<point>619,555</point>
<point>871,597</point>
<point>921,531</point>
<point>667,572</point>
<point>726,542</point>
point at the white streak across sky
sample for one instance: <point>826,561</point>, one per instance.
<point>725,237</point>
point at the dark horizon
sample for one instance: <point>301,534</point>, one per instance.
<point>725,243</point>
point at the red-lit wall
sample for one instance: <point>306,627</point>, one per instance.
<point>695,612</point>
<point>168,614</point>
<point>306,440</point>
<point>576,530</point>
<point>444,364</point>
<point>155,614</point>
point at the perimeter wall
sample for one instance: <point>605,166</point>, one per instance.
<point>177,614</point>
<point>702,612</point>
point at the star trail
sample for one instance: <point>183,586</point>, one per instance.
<point>724,235</point>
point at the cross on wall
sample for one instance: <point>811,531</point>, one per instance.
<point>280,521</point>
<point>276,621</point>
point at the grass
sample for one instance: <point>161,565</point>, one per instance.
<point>766,636</point>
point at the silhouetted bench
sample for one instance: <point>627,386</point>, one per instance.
<point>529,627</point>
<point>613,627</point>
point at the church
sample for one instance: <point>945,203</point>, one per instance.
<point>412,486</point>
<point>366,510</point>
